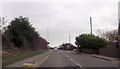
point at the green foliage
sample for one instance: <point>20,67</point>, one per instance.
<point>18,31</point>
<point>90,41</point>
<point>21,35</point>
<point>20,56</point>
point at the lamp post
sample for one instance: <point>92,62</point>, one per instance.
<point>48,34</point>
<point>119,24</point>
<point>48,37</point>
<point>119,39</point>
<point>118,29</point>
<point>119,34</point>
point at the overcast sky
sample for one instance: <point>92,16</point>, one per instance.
<point>64,18</point>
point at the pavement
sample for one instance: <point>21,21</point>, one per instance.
<point>106,58</point>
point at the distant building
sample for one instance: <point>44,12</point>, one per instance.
<point>67,46</point>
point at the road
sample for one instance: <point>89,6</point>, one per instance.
<point>72,59</point>
<point>65,59</point>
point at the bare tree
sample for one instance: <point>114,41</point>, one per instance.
<point>3,21</point>
<point>109,35</point>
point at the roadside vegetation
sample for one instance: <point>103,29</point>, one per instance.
<point>20,34</point>
<point>89,41</point>
<point>105,39</point>
<point>111,36</point>
<point>20,40</point>
<point>20,56</point>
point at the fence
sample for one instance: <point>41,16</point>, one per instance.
<point>91,51</point>
<point>112,52</point>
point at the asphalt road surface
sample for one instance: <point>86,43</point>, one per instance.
<point>65,60</point>
<point>73,59</point>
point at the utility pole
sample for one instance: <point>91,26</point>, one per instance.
<point>69,38</point>
<point>91,25</point>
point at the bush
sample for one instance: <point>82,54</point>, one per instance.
<point>22,35</point>
<point>90,41</point>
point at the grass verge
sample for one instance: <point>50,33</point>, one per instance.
<point>12,59</point>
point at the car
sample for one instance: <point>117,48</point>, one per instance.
<point>55,49</point>
<point>74,49</point>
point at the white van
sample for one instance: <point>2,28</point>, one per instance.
<point>55,49</point>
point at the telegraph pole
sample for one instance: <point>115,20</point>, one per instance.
<point>91,25</point>
<point>69,38</point>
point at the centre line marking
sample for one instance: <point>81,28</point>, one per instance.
<point>72,60</point>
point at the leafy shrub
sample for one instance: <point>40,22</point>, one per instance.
<point>90,41</point>
<point>21,33</point>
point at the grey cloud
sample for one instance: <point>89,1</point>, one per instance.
<point>63,18</point>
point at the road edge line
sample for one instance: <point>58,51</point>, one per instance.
<point>41,60</point>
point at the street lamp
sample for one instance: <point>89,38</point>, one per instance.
<point>119,34</point>
<point>119,30</point>
<point>48,34</point>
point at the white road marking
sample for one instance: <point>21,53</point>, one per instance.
<point>73,60</point>
<point>36,62</point>
<point>78,65</point>
<point>67,56</point>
